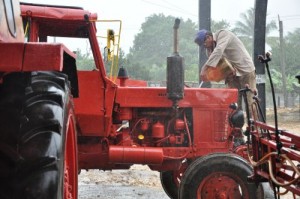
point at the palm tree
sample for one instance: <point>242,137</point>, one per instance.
<point>218,25</point>
<point>244,29</point>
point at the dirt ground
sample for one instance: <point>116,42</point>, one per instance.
<point>288,118</point>
<point>140,182</point>
<point>137,182</point>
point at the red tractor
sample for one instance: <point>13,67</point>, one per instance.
<point>57,119</point>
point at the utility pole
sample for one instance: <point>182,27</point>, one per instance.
<point>282,62</point>
<point>259,49</point>
<point>204,23</point>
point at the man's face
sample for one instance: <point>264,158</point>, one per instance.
<point>208,42</point>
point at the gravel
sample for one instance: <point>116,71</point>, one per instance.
<point>137,182</point>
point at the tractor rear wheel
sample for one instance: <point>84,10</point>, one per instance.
<point>38,154</point>
<point>170,180</point>
<point>170,183</point>
<point>217,175</point>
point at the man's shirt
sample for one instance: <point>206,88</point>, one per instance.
<point>228,45</point>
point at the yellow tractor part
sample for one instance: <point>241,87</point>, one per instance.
<point>112,48</point>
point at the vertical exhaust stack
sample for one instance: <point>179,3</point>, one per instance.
<point>175,71</point>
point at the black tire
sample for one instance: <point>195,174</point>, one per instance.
<point>265,191</point>
<point>217,175</point>
<point>34,109</point>
<point>168,181</point>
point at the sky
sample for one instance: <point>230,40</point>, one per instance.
<point>133,13</point>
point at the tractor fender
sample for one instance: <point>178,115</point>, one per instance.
<point>28,57</point>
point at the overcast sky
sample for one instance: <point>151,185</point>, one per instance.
<point>134,12</point>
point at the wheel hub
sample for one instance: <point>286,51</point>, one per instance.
<point>219,186</point>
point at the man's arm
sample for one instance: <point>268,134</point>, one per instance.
<point>223,38</point>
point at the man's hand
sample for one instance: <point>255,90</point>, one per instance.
<point>203,77</point>
<point>203,73</point>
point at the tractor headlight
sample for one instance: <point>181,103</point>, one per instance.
<point>236,119</point>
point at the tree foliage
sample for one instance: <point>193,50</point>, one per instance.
<point>218,25</point>
<point>292,47</point>
<point>292,60</point>
<point>244,28</point>
<point>147,58</point>
<point>84,61</point>
<point>154,43</point>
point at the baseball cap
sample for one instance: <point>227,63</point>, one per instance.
<point>200,37</point>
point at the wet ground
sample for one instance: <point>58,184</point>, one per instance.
<point>120,192</point>
<point>137,182</point>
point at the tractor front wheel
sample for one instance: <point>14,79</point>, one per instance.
<point>217,175</point>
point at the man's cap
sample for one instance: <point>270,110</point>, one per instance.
<point>200,37</point>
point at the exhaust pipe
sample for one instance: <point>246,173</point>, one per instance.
<point>175,71</point>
